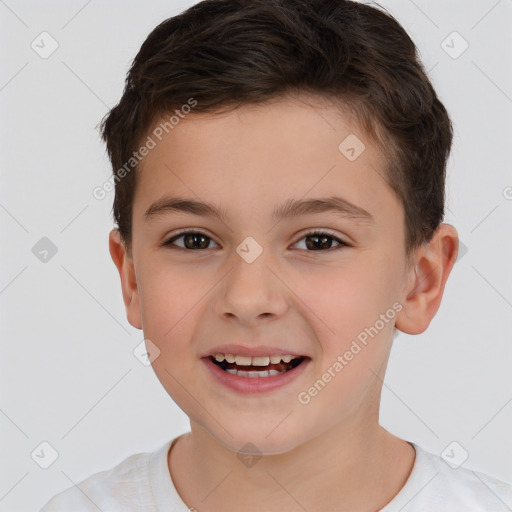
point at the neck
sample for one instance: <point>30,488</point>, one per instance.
<point>347,468</point>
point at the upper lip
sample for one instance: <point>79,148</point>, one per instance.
<point>257,351</point>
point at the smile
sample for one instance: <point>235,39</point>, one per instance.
<point>255,375</point>
<point>256,367</point>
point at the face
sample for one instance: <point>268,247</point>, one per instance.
<point>322,281</point>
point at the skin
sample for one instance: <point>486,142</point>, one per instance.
<point>330,454</point>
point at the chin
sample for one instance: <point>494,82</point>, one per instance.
<point>257,441</point>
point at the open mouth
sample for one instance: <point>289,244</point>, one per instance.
<point>252,370</point>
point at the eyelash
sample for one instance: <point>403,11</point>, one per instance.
<point>315,232</point>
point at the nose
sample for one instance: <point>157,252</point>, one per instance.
<point>252,292</point>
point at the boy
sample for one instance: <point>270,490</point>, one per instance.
<point>279,170</point>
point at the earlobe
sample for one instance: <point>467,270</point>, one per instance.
<point>124,263</point>
<point>424,286</point>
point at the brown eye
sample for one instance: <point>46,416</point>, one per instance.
<point>192,240</point>
<point>321,241</point>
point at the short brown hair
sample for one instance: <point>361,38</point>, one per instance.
<point>227,53</point>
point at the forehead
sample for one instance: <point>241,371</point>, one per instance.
<point>289,148</point>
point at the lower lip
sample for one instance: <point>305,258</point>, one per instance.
<point>257,384</point>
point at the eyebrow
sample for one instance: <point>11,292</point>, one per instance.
<point>291,208</point>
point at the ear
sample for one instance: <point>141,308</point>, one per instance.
<point>124,263</point>
<point>426,277</point>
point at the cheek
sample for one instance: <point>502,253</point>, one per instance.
<point>167,294</point>
<point>171,304</point>
<point>347,304</point>
<point>347,298</point>
<point>168,302</point>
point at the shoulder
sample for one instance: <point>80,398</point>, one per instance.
<point>478,487</point>
<point>435,484</point>
<point>125,487</point>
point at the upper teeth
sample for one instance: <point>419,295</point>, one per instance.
<point>253,361</point>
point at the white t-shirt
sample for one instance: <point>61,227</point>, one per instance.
<point>142,483</point>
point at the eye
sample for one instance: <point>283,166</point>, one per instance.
<point>191,240</point>
<point>321,240</point>
<point>316,240</point>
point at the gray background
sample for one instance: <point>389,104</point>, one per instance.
<point>68,374</point>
